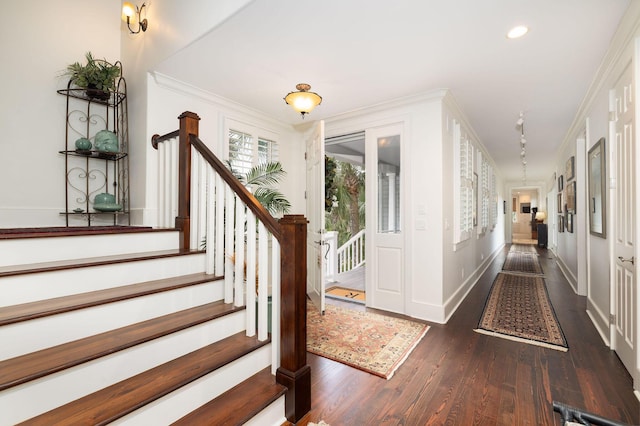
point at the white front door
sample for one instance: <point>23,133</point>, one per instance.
<point>625,290</point>
<point>385,241</point>
<point>314,140</point>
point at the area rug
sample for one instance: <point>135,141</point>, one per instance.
<point>523,248</point>
<point>527,263</point>
<point>346,293</point>
<point>374,343</point>
<point>518,308</point>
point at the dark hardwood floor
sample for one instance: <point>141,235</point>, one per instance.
<point>456,376</point>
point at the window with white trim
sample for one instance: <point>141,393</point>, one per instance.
<point>463,184</point>
<point>244,153</point>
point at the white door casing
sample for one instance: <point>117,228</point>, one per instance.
<point>385,275</point>
<point>624,291</point>
<point>314,140</point>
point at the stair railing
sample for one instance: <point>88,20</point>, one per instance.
<point>351,254</point>
<point>243,243</point>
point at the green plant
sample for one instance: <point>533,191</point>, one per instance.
<point>95,74</point>
<point>260,180</point>
<point>348,201</point>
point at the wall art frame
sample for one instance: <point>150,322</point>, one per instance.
<point>570,168</point>
<point>597,175</point>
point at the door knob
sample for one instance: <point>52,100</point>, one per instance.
<point>632,260</point>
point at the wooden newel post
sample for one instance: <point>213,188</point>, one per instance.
<point>294,373</point>
<point>188,126</point>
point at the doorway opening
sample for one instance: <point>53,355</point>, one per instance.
<point>345,219</point>
<point>524,205</point>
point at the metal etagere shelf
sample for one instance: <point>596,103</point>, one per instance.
<point>89,172</point>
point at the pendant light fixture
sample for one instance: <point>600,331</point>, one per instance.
<point>303,101</point>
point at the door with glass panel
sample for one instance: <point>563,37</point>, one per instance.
<point>385,240</point>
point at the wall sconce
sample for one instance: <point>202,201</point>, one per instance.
<point>127,13</point>
<point>303,101</point>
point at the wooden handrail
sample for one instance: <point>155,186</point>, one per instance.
<point>156,139</point>
<point>247,197</point>
<point>291,232</point>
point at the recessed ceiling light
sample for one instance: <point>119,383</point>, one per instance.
<point>517,32</point>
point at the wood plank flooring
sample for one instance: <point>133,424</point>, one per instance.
<point>458,377</point>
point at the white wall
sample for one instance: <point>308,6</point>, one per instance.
<point>592,123</point>
<point>463,263</point>
<point>32,114</point>
<point>169,98</point>
<point>171,26</point>
<point>433,284</point>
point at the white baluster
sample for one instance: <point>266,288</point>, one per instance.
<point>239,253</point>
<point>251,273</point>
<point>230,200</point>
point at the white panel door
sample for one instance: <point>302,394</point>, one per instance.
<point>625,289</point>
<point>314,140</point>
<point>385,241</point>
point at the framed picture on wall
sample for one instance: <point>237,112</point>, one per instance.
<point>571,197</point>
<point>560,223</point>
<point>570,172</point>
<point>560,183</point>
<point>559,202</point>
<point>569,222</point>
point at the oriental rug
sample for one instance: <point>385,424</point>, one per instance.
<point>518,308</point>
<point>370,342</point>
<point>527,263</point>
<point>523,248</point>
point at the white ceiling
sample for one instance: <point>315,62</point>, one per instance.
<point>357,53</point>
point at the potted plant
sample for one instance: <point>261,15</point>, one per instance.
<point>97,76</point>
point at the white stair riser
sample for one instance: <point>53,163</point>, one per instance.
<point>30,399</point>
<point>273,415</point>
<point>189,397</point>
<point>35,250</point>
<point>45,285</point>
<point>41,333</point>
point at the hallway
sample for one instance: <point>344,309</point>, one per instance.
<point>459,377</point>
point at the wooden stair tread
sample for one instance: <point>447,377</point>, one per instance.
<point>239,404</point>
<point>31,366</point>
<point>6,271</point>
<point>115,401</point>
<point>42,308</point>
<point>70,231</point>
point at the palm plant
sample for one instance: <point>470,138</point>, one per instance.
<point>347,211</point>
<point>260,180</point>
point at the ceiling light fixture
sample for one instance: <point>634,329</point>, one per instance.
<point>303,101</point>
<point>128,11</point>
<point>517,32</point>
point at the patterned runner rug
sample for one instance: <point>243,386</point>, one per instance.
<point>527,263</point>
<point>523,248</point>
<point>518,308</point>
<point>374,343</point>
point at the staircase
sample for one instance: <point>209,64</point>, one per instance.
<point>125,328</point>
<point>138,326</point>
